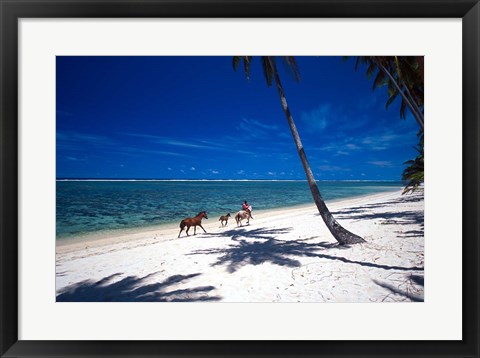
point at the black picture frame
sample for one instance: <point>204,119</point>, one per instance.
<point>12,10</point>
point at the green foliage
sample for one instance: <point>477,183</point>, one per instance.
<point>380,80</point>
<point>268,69</point>
<point>291,66</point>
<point>391,99</point>
<point>403,76</point>
<point>269,66</point>
<point>246,64</point>
<point>413,175</point>
<point>406,72</point>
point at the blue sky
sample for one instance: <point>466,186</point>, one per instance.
<point>196,118</point>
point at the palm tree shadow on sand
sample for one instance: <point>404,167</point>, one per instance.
<point>134,289</point>
<point>265,247</point>
<point>388,217</point>
<point>411,289</point>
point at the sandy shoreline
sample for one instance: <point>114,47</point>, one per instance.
<point>284,255</point>
<point>163,230</point>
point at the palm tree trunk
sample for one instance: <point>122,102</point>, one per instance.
<point>407,90</point>
<point>418,116</point>
<point>343,236</point>
<point>409,94</point>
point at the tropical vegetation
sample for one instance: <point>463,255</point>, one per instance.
<point>404,77</point>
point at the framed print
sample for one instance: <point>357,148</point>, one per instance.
<point>246,178</point>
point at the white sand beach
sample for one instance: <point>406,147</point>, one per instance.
<point>284,255</point>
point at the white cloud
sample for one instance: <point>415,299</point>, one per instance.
<point>252,129</point>
<point>386,140</point>
<point>192,168</point>
<point>381,163</point>
<point>177,143</point>
<point>138,152</point>
<point>371,142</point>
<point>317,119</point>
<point>255,123</point>
<point>333,168</point>
<point>79,141</point>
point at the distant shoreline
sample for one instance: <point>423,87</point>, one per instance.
<point>133,232</point>
<point>91,208</point>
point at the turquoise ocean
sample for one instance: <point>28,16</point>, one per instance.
<point>86,207</point>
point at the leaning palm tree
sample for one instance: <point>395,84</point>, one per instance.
<point>342,235</point>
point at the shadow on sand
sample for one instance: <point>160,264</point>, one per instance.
<point>388,217</point>
<point>134,289</point>
<point>408,289</point>
<point>283,253</point>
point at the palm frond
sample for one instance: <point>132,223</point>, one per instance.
<point>380,80</point>
<point>391,88</point>
<point>414,174</point>
<point>268,69</point>
<point>360,60</point>
<point>391,99</point>
<point>246,64</point>
<point>371,70</point>
<point>236,61</point>
<point>291,66</point>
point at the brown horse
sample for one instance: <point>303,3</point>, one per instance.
<point>224,218</point>
<point>196,221</point>
<point>243,214</point>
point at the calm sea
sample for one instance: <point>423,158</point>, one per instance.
<point>85,207</point>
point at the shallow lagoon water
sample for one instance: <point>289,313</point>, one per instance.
<point>84,207</point>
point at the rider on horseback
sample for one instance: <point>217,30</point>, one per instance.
<point>247,208</point>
